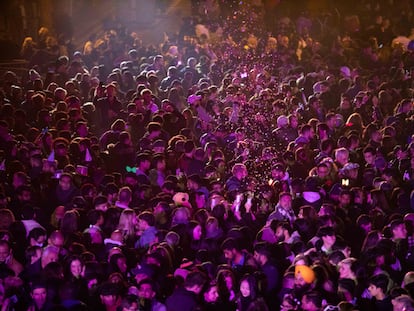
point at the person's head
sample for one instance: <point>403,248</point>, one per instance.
<point>285,200</point>
<point>345,268</point>
<point>95,217</point>
<point>145,220</point>
<point>342,156</point>
<point>195,281</point>
<point>38,293</point>
<point>369,155</point>
<point>19,179</point>
<point>278,171</point>
<point>109,294</point>
<point>100,203</point>
<point>146,289</point>
<point>49,254</point>
<point>226,279</point>
<point>5,251</point>
<point>37,237</point>
<point>327,234</point>
<point>56,239</point>
<point>307,131</point>
<point>70,222</point>
<point>239,170</point>
<point>378,285</point>
<point>364,222</point>
<point>125,195</point>
<point>129,303</point>
<point>143,161</point>
<point>288,303</point>
<point>262,253</point>
<point>128,221</point>
<point>196,230</point>
<point>398,229</point>
<point>32,254</point>
<point>230,247</point>
<point>65,181</point>
<point>345,197</point>
<point>211,294</point>
<point>307,212</point>
<point>248,287</point>
<point>403,303</point>
<point>304,276</point>
<point>6,218</point>
<point>311,301</point>
<point>408,278</point>
<point>283,231</point>
<point>75,266</point>
<point>24,193</point>
<point>322,170</point>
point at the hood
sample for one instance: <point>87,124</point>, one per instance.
<point>311,196</point>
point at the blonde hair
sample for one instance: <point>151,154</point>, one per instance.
<point>127,222</point>
<point>356,120</point>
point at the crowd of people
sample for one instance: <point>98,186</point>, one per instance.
<point>250,162</point>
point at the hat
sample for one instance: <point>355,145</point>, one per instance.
<point>306,272</point>
<point>282,121</point>
<point>181,272</point>
<point>181,198</point>
<point>159,143</point>
<point>143,269</point>
<point>312,184</point>
<point>350,166</point>
<point>193,98</point>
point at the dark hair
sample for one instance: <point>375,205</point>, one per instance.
<point>263,248</point>
<point>195,278</point>
<point>395,223</point>
<point>36,233</point>
<point>369,149</point>
<point>93,216</point>
<point>314,297</point>
<point>251,280</point>
<point>142,157</point>
<point>230,244</point>
<point>189,146</point>
<point>127,301</point>
<point>305,128</point>
<point>148,217</point>
<point>380,281</point>
<point>326,230</point>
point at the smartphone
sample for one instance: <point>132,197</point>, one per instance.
<point>243,75</point>
<point>57,174</point>
<point>249,198</point>
<point>214,201</point>
<point>345,182</point>
<point>237,202</point>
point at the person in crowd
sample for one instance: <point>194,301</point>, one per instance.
<point>186,297</point>
<point>127,162</point>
